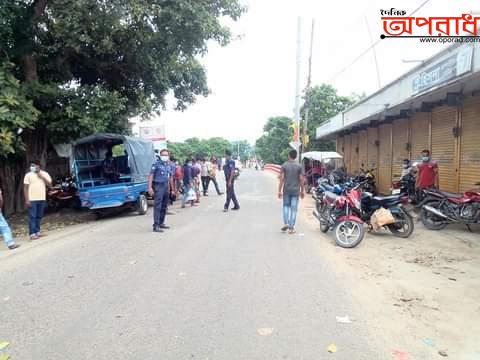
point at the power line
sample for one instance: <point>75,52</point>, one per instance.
<point>371,46</point>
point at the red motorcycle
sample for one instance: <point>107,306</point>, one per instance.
<point>441,208</point>
<point>62,195</point>
<point>337,214</point>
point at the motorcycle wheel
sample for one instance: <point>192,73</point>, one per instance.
<point>349,234</point>
<point>324,215</point>
<point>403,226</point>
<point>430,220</point>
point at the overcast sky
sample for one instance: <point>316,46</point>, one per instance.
<point>253,78</point>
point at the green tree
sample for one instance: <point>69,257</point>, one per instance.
<point>323,103</point>
<point>199,148</point>
<point>273,146</point>
<point>241,149</point>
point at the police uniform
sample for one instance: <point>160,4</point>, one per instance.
<point>231,196</point>
<point>161,173</point>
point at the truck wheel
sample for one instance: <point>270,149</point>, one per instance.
<point>142,204</point>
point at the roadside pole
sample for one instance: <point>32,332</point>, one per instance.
<point>296,139</point>
<point>307,91</point>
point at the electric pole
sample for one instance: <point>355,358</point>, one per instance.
<point>307,91</point>
<point>296,138</point>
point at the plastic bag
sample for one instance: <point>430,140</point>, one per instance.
<point>191,195</point>
<point>381,217</point>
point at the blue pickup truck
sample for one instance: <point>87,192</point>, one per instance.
<point>121,181</point>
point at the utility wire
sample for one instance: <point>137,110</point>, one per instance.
<point>362,54</point>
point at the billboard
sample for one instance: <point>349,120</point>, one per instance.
<point>155,133</point>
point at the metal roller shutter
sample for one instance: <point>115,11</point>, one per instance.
<point>384,179</point>
<point>372,149</point>
<point>354,154</point>
<point>347,155</point>
<point>443,145</point>
<point>400,150</point>
<point>362,149</point>
<point>420,134</point>
<point>340,150</point>
<point>470,144</point>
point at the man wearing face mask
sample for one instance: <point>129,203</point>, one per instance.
<point>159,185</point>
<point>35,186</point>
<point>427,172</point>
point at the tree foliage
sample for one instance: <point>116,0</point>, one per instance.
<point>241,149</point>
<point>109,60</point>
<point>86,66</point>
<point>16,112</point>
<point>196,147</point>
<point>323,103</point>
<point>273,146</point>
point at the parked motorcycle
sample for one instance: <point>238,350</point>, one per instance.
<point>337,214</point>
<point>406,186</point>
<point>440,209</point>
<point>403,225</point>
<point>63,195</point>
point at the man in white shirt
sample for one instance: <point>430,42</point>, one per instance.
<point>35,186</point>
<point>205,173</point>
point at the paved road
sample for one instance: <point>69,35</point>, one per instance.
<point>114,290</point>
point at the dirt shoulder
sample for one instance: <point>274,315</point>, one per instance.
<point>421,293</point>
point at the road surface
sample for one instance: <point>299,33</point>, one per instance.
<point>215,286</point>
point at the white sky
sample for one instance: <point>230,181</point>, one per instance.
<point>253,78</point>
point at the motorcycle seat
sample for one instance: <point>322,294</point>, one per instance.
<point>386,198</point>
<point>451,195</point>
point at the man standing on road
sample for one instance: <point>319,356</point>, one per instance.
<point>213,175</point>
<point>187,180</point>
<point>206,169</point>
<point>5,229</point>
<point>229,170</point>
<point>290,187</point>
<point>35,185</point>
<point>159,185</point>
<point>427,173</point>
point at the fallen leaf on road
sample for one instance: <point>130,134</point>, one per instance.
<point>332,348</point>
<point>70,276</point>
<point>443,353</point>
<point>400,355</point>
<point>27,283</point>
<point>406,299</point>
<point>133,262</point>
<point>453,279</point>
<point>343,319</point>
<point>265,331</point>
<point>4,345</point>
<point>5,357</point>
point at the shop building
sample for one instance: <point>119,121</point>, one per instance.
<point>435,106</point>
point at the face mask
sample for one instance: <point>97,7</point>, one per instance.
<point>189,164</point>
<point>33,168</point>
<point>425,158</point>
<point>164,158</point>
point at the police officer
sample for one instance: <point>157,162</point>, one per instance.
<point>229,170</point>
<point>159,185</point>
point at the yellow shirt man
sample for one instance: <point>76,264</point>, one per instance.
<point>37,185</point>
